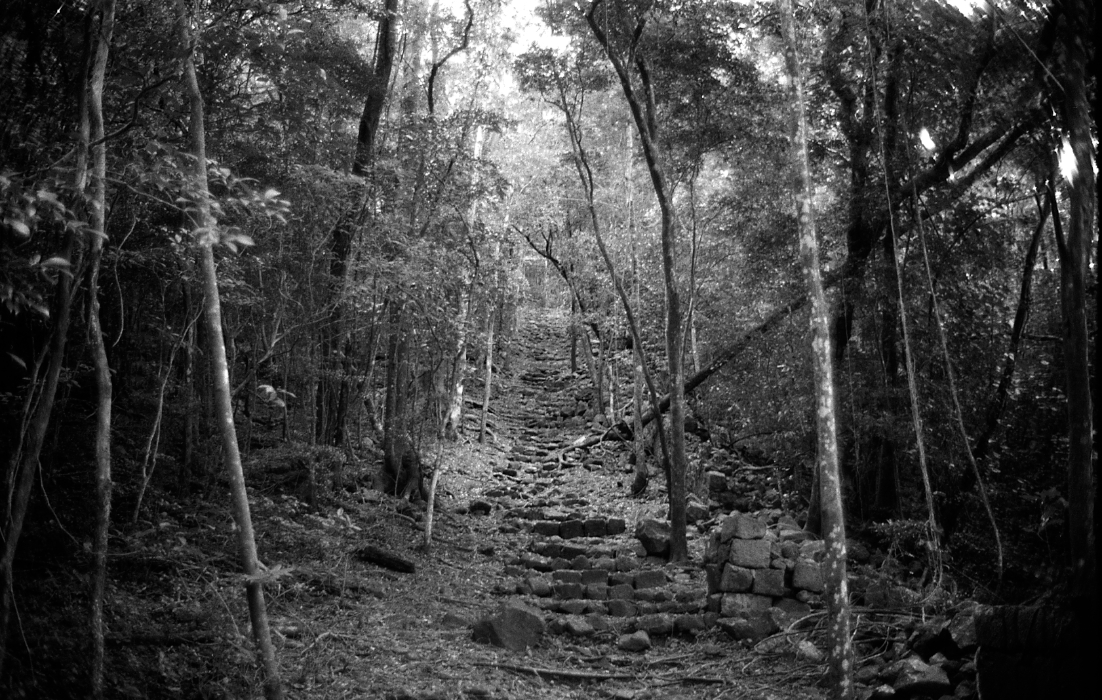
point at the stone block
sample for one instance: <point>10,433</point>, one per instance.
<point>567,576</point>
<point>571,550</point>
<point>621,608</point>
<point>615,526</point>
<point>596,607</point>
<point>689,624</point>
<point>591,576</point>
<point>750,554</point>
<point>545,528</point>
<point>618,577</point>
<point>753,628</point>
<point>538,586</point>
<point>713,574</point>
<point>744,604</point>
<point>596,527</point>
<point>621,591</point>
<point>596,591</point>
<point>567,591</point>
<point>807,575</point>
<point>580,562</point>
<point>605,563</point>
<point>559,563</point>
<point>636,641</point>
<point>649,578</point>
<point>654,535</point>
<point>579,627</point>
<point>735,579</point>
<point>627,562</point>
<point>572,607</point>
<point>655,625</point>
<point>569,529</point>
<point>769,582</point>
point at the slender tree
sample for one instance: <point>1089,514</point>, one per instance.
<point>103,28</point>
<point>634,74</point>
<point>205,230</point>
<point>830,485</point>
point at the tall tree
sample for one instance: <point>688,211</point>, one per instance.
<point>619,37</point>
<point>206,233</point>
<point>829,477</point>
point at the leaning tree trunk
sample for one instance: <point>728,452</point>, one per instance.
<point>99,352</point>
<point>206,233</point>
<point>841,646</point>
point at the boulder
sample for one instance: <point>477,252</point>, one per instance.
<point>914,677</point>
<point>636,641</point>
<point>513,626</point>
<point>654,535</point>
<point>962,628</point>
<point>807,575</point>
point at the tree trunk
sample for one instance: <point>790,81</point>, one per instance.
<point>644,113</point>
<point>1078,169</point>
<point>102,449</point>
<point>206,233</point>
<point>841,646</point>
<point>42,389</point>
<point>488,382</point>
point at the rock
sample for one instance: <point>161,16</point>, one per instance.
<point>741,526</point>
<point>791,610</point>
<point>769,582</point>
<point>636,641</point>
<point>654,535</point>
<point>592,576</point>
<point>579,627</point>
<point>567,591</point>
<point>650,578</point>
<point>479,507</point>
<point>621,608</point>
<point>882,692</point>
<point>514,627</point>
<point>621,591</point>
<point>570,529</point>
<point>962,628</point>
<point>655,625</point>
<point>595,527</point>
<point>538,586</point>
<point>809,652</point>
<point>615,526</point>
<point>545,528</point>
<point>567,576</point>
<point>735,579</point>
<point>807,575</point>
<point>913,676</point>
<point>754,628</point>
<point>743,604</point>
<point>596,591</point>
<point>454,621</point>
<point>689,624</point>
<point>717,481</point>
<point>750,554</point>
<point>695,511</point>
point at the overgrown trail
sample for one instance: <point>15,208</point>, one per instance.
<point>515,524</point>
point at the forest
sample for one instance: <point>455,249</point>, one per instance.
<point>327,326</point>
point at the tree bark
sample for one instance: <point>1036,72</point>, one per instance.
<point>1074,251</point>
<point>102,46</point>
<point>206,234</point>
<point>841,646</point>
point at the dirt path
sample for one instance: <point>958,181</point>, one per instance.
<point>514,524</point>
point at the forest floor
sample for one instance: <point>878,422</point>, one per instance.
<point>345,628</point>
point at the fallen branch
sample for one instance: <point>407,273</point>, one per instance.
<point>551,673</point>
<point>385,559</point>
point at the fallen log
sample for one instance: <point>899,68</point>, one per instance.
<point>388,560</point>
